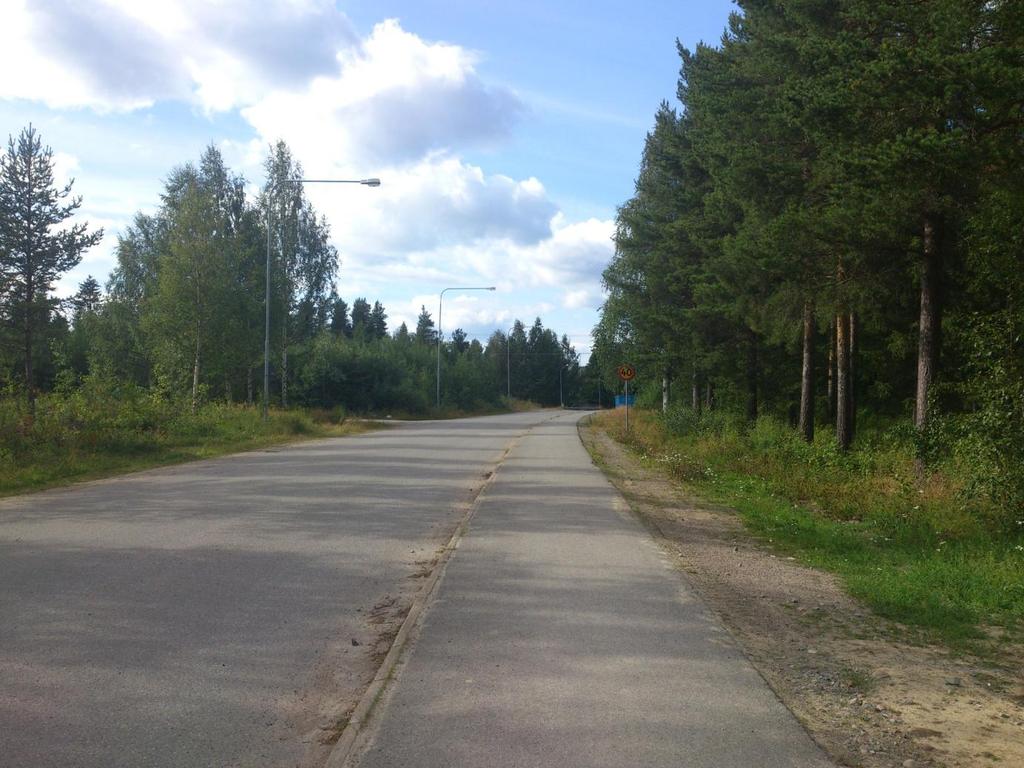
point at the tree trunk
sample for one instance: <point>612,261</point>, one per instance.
<point>928,324</point>
<point>195,376</point>
<point>284,357</point>
<point>831,370</point>
<point>843,436</point>
<point>851,366</point>
<point>248,386</point>
<point>284,377</point>
<point>709,395</point>
<point>30,295</point>
<point>752,376</point>
<point>695,393</point>
<point>30,389</point>
<point>666,386</point>
<point>807,376</point>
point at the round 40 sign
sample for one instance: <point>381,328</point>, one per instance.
<point>627,372</point>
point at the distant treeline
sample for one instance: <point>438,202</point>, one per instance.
<point>829,227</point>
<point>183,312</point>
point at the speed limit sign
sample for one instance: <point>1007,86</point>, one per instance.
<point>627,373</point>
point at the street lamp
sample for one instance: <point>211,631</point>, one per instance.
<point>266,334</point>
<point>440,301</point>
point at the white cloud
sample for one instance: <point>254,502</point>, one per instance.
<point>392,105</point>
<point>395,98</point>
<point>125,54</point>
<point>434,205</point>
<point>65,166</point>
<point>576,299</point>
<point>574,255</point>
<point>571,255</point>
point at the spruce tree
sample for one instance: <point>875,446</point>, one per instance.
<point>88,297</point>
<point>378,321</point>
<point>425,333</point>
<point>361,319</point>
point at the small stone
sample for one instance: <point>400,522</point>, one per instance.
<point>954,681</point>
<point>910,764</point>
<point>355,642</point>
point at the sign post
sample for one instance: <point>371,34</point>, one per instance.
<point>627,373</point>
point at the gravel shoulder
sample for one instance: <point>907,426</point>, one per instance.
<point>868,691</point>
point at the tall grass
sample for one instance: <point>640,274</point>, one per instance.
<point>104,427</point>
<point>922,550</point>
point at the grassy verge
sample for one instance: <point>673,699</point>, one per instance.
<point>916,550</point>
<point>85,436</point>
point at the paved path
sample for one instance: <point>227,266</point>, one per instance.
<point>560,638</point>
<point>201,615</point>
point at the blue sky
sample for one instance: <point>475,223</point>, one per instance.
<point>505,133</point>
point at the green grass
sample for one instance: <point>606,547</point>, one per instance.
<point>104,430</point>
<point>915,550</point>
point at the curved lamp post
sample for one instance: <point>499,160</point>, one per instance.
<point>440,301</point>
<point>266,334</point>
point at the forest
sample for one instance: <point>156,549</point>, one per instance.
<point>173,342</point>
<point>826,235</point>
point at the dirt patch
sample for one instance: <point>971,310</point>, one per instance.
<point>355,656</point>
<point>386,619</point>
<point>868,691</point>
<point>321,711</point>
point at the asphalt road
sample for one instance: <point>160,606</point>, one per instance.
<point>202,615</point>
<point>560,637</point>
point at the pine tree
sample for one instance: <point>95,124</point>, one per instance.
<point>35,245</point>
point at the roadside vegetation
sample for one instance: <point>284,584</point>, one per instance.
<point>818,280</point>
<point>921,550</point>
<point>827,231</point>
<point>165,361</point>
<point>105,427</point>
